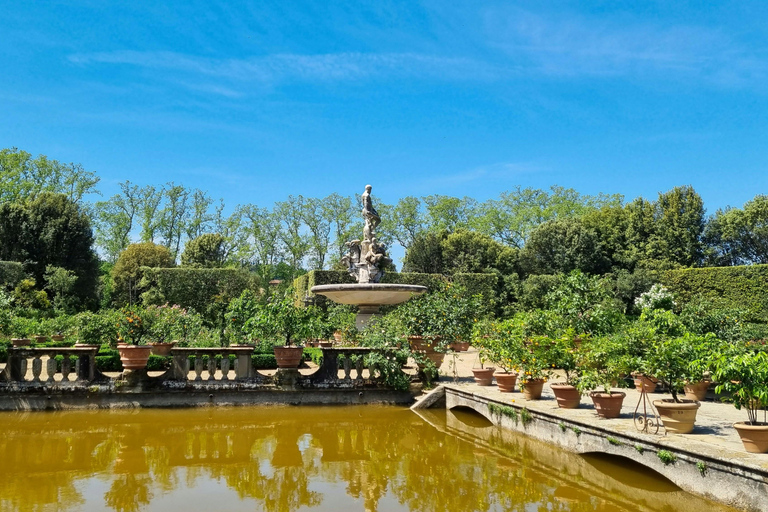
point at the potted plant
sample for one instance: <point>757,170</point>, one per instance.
<point>134,354</point>
<point>742,371</point>
<point>534,366</point>
<point>563,357</point>
<point>603,362</point>
<point>700,363</point>
<point>280,319</point>
<point>340,323</point>
<point>501,343</point>
<point>668,359</point>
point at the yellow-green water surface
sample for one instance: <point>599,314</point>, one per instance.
<point>304,458</point>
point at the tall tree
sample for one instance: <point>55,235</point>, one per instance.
<point>150,199</point>
<point>265,247</point>
<point>200,216</point>
<point>51,230</point>
<point>317,219</point>
<point>289,213</point>
<point>679,227</point>
<point>449,213</point>
<point>23,177</point>
<point>173,217</point>
<point>560,246</point>
<point>344,214</point>
<point>737,236</point>
<point>408,219</point>
<point>115,220</point>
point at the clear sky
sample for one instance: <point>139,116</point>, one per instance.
<point>256,100</point>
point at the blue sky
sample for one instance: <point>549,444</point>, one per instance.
<point>254,101</point>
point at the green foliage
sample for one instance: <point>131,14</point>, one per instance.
<point>666,457</point>
<point>740,288</point>
<point>11,273</point>
<point>606,359</point>
<point>702,316</point>
<point>51,229</point>
<point>280,319</point>
<point>207,291</point>
<point>448,313</point>
<point>640,449</point>
<point>61,283</point>
<point>165,324</point>
<point>504,410</point>
<point>702,467</point>
<point>425,254</point>
<point>97,328</point>
<point>500,342</point>
<point>205,251</point>
<point>584,305</point>
<point>742,371</point>
<point>560,246</point>
<point>739,236</point>
<point>678,360</point>
<point>534,290</point>
<point>126,272</point>
<point>613,441</point>
<point>525,416</point>
<point>25,295</point>
<point>23,177</point>
<point>239,311</point>
<point>133,325</point>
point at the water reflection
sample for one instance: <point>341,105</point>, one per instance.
<point>286,459</point>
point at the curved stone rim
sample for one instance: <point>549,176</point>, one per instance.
<point>390,287</point>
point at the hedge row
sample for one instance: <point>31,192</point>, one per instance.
<point>196,288</point>
<point>11,272</point>
<point>741,287</point>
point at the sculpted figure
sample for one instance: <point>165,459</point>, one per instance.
<point>370,215</point>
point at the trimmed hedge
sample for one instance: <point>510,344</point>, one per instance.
<point>11,272</point>
<point>195,288</point>
<point>742,287</point>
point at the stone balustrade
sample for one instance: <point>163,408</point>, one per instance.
<point>350,360</point>
<point>25,365</point>
<point>220,366</point>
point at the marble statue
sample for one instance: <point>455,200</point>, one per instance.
<point>367,257</point>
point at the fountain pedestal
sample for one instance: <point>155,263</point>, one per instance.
<point>368,297</point>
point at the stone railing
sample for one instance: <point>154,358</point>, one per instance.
<point>25,366</point>
<point>350,361</point>
<point>221,367</point>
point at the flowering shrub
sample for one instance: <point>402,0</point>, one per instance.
<point>658,297</point>
<point>171,323</point>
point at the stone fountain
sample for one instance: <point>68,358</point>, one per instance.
<point>365,262</point>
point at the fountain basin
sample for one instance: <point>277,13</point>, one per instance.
<point>368,296</point>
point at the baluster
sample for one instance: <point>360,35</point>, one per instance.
<point>211,367</point>
<point>23,369</point>
<point>347,366</point>
<point>37,369</point>
<point>77,368</point>
<point>225,367</point>
<point>50,368</point>
<point>359,368</point>
<point>198,367</point>
<point>66,368</point>
<point>372,371</point>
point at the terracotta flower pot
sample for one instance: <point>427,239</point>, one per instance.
<point>644,381</point>
<point>697,390</point>
<point>162,349</point>
<point>568,397</point>
<point>21,342</point>
<point>41,339</point>
<point>483,376</point>
<point>423,344</point>
<point>754,437</point>
<point>288,357</point>
<point>678,417</point>
<point>436,358</point>
<point>460,346</point>
<point>532,388</point>
<point>57,337</point>
<point>325,344</point>
<point>134,357</point>
<point>506,381</point>
<point>608,405</point>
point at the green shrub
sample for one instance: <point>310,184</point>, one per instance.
<point>11,274</point>
<point>741,287</point>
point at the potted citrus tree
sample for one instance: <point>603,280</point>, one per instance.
<point>279,319</point>
<point>742,371</point>
<point>563,357</point>
<point>603,363</point>
<point>668,359</point>
<point>132,328</point>
<point>502,343</point>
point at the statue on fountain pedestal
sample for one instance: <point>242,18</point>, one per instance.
<point>366,258</point>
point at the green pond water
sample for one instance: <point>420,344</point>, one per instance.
<point>305,458</point>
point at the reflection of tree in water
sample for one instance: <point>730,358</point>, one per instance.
<point>128,492</point>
